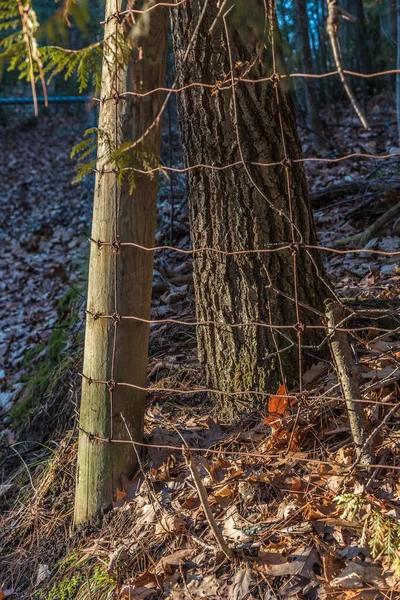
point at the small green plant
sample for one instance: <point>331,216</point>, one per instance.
<point>124,159</point>
<point>381,533</point>
<point>66,589</point>
<point>351,505</point>
<point>45,363</point>
<point>76,579</point>
<point>99,586</point>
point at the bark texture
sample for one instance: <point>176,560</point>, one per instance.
<point>120,279</point>
<point>227,210</point>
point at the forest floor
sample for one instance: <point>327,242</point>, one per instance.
<point>300,524</point>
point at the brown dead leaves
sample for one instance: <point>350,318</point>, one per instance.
<point>279,413</point>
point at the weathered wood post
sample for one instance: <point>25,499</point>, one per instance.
<point>120,277</point>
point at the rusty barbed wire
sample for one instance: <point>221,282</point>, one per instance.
<point>250,454</point>
<point>276,247</point>
<point>206,390</point>
<point>161,168</point>
<point>294,326</point>
<point>247,80</point>
<point>302,398</point>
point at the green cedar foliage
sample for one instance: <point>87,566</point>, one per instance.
<point>381,532</point>
<point>124,159</point>
<point>85,63</point>
<point>48,61</point>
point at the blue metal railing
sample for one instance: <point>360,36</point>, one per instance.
<point>52,100</point>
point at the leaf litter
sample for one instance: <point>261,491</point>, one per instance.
<point>297,528</point>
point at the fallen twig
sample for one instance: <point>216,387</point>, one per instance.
<point>335,12</point>
<point>373,433</point>
<point>205,504</point>
<point>360,239</point>
<point>348,377</point>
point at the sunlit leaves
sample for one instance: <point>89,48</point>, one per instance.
<point>381,532</point>
<point>125,160</point>
<point>84,63</point>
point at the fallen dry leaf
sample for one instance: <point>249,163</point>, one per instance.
<point>128,491</point>
<point>224,492</point>
<point>231,528</point>
<point>43,574</point>
<point>266,560</point>
<point>170,524</point>
<point>134,592</point>
<point>141,588</point>
<point>177,558</point>
<point>301,563</point>
<point>356,575</point>
<point>241,583</point>
<point>278,407</point>
<point>331,566</point>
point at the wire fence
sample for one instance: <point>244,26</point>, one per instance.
<point>303,400</point>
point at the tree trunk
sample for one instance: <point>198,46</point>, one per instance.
<point>303,28</point>
<point>120,277</point>
<point>322,55</point>
<point>231,210</point>
<point>362,53</point>
<point>398,74</point>
<point>391,21</point>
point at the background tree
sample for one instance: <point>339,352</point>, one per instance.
<point>245,207</point>
<point>303,29</point>
<point>120,278</point>
<point>398,67</point>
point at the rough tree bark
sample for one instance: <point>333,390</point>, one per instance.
<point>120,278</point>
<point>228,211</point>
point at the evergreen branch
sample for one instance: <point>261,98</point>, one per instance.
<point>85,63</point>
<point>11,41</point>
<point>119,159</point>
<point>381,533</point>
<point>20,49</point>
<point>11,24</point>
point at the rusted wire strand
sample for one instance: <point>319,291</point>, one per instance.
<point>161,168</point>
<point>228,83</point>
<point>260,455</point>
<point>213,391</point>
<point>302,398</point>
<point>277,247</point>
